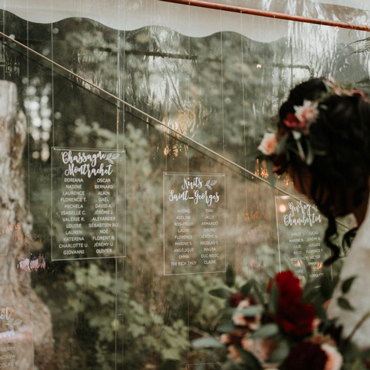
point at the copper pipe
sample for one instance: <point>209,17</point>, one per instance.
<point>262,13</point>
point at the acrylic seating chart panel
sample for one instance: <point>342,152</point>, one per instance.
<point>300,229</point>
<point>88,203</point>
<point>194,223</point>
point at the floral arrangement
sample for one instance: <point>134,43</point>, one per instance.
<point>294,134</point>
<point>286,327</point>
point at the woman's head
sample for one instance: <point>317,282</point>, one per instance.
<point>338,141</point>
<point>323,142</point>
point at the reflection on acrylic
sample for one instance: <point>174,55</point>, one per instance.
<point>32,264</point>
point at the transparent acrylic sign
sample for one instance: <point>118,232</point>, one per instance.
<point>194,223</point>
<point>300,229</point>
<point>16,338</point>
<point>88,219</point>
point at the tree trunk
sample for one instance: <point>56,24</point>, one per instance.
<point>25,322</point>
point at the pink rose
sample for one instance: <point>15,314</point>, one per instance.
<point>261,348</point>
<point>334,358</point>
<point>268,144</point>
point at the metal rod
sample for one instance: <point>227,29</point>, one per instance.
<point>162,126</point>
<point>267,14</point>
<point>159,125</point>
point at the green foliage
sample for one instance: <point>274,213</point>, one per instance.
<point>93,290</point>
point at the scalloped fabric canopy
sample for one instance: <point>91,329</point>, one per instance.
<point>188,20</point>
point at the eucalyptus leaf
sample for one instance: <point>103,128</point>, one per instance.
<point>251,362</point>
<point>265,331</point>
<point>344,304</point>
<point>310,153</point>
<point>281,144</point>
<point>274,299</point>
<point>247,287</point>
<point>251,311</point>
<point>280,353</point>
<point>207,342</point>
<point>220,293</point>
<point>230,276</point>
<point>346,285</point>
<point>226,328</point>
<point>300,150</point>
<point>257,294</point>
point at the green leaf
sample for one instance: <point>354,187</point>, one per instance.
<point>271,173</point>
<point>327,285</point>
<point>201,366</point>
<point>220,293</point>
<point>281,144</point>
<point>169,365</point>
<point>274,299</point>
<point>226,328</point>
<point>310,153</point>
<point>251,311</point>
<point>265,331</point>
<point>280,353</point>
<point>300,149</point>
<point>258,294</point>
<point>207,342</point>
<point>230,276</point>
<point>247,287</point>
<point>344,304</point>
<point>346,285</point>
<point>250,361</point>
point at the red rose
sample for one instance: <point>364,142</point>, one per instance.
<point>292,315</point>
<point>296,318</point>
<point>289,287</point>
<point>305,356</point>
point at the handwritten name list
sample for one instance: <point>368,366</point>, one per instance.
<point>16,347</point>
<point>300,229</point>
<point>87,189</point>
<point>194,223</point>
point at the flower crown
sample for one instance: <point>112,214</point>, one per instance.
<point>296,126</point>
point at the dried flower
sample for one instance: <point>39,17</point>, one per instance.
<point>261,348</point>
<point>307,113</point>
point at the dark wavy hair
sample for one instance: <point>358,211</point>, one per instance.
<point>339,175</point>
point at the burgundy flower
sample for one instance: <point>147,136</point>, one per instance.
<point>292,315</point>
<point>306,356</point>
<point>296,318</point>
<point>289,287</point>
<point>236,298</point>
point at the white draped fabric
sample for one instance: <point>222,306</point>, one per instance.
<point>190,21</point>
